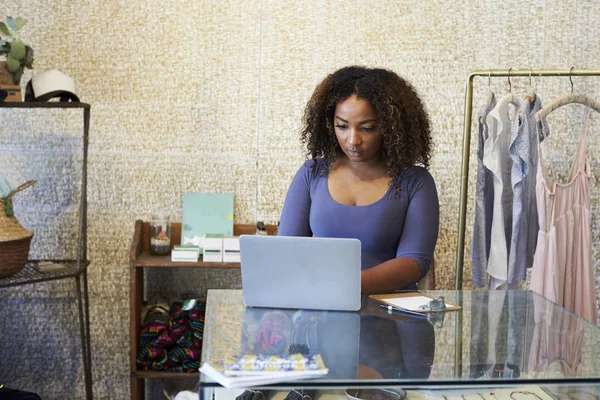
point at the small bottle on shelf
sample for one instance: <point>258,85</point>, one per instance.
<point>160,235</point>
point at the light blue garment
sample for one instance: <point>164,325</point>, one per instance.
<point>484,200</point>
<point>523,150</point>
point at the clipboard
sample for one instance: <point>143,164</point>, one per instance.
<point>409,301</point>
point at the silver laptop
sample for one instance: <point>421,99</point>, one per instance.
<point>300,272</point>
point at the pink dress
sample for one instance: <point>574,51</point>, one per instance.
<point>562,266</point>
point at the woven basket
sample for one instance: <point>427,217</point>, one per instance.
<point>14,239</point>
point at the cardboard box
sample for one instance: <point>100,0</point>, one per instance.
<point>14,93</point>
<point>185,253</point>
<point>212,248</point>
<point>231,249</point>
<point>6,78</point>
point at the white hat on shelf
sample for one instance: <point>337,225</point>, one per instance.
<point>49,85</point>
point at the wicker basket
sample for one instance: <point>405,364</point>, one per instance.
<point>14,239</point>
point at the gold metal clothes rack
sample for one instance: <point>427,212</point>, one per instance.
<point>506,73</point>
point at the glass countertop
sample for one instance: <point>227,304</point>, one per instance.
<point>496,338</point>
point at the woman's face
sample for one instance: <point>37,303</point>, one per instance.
<point>357,129</point>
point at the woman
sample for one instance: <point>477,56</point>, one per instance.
<point>365,130</point>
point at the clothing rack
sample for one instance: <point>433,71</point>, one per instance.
<point>506,73</point>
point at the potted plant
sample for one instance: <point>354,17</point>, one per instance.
<point>18,55</point>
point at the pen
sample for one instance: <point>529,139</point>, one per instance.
<point>395,310</point>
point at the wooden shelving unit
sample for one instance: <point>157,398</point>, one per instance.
<point>140,258</point>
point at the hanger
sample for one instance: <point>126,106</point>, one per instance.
<point>570,78</point>
<point>530,97</point>
<point>568,99</point>
<point>490,95</point>
<point>510,97</point>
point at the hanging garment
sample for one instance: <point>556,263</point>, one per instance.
<point>484,200</point>
<point>523,150</point>
<point>497,160</point>
<point>562,267</point>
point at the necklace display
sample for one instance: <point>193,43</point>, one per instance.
<point>525,393</point>
<point>376,394</point>
<point>514,395</point>
<point>295,394</point>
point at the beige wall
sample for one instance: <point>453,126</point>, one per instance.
<point>207,96</point>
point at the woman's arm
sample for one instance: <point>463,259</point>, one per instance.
<point>295,217</point>
<point>390,275</point>
<point>416,245</point>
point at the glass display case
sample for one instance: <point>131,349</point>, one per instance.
<point>500,345</point>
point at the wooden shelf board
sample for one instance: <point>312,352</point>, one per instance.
<point>165,375</point>
<point>145,259</point>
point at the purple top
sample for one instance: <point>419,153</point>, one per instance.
<point>397,225</point>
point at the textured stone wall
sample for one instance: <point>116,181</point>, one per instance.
<point>206,96</point>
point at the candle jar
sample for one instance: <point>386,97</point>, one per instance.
<point>160,236</point>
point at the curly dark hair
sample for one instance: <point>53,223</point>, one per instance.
<point>402,116</point>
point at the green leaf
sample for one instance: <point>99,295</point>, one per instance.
<point>12,24</point>
<point>8,209</point>
<point>17,50</point>
<point>11,64</point>
<point>19,23</point>
<point>4,29</point>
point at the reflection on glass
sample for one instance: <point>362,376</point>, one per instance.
<point>333,335</point>
<point>557,340</point>
<point>396,349</point>
<point>512,336</point>
<point>497,334</point>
